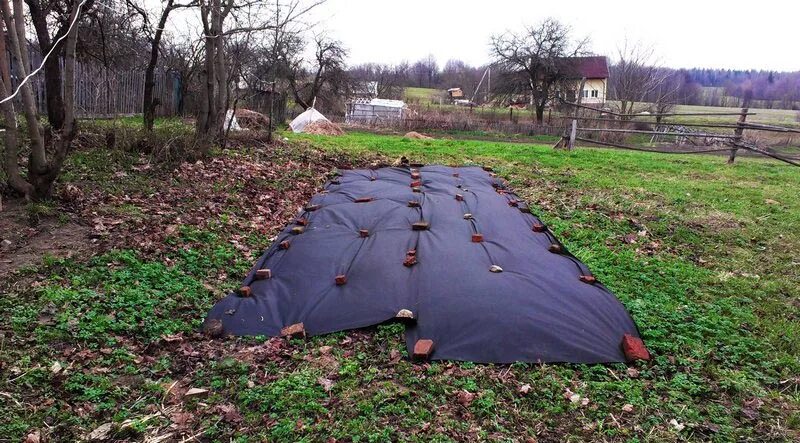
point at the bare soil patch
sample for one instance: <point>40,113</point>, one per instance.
<point>23,245</point>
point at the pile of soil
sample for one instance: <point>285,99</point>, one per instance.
<point>252,120</point>
<point>417,136</point>
<point>323,127</point>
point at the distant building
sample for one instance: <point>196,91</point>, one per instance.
<point>455,93</point>
<point>377,109</point>
<point>595,70</point>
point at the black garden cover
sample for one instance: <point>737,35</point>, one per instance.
<point>450,251</point>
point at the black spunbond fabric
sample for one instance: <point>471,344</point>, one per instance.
<point>485,287</point>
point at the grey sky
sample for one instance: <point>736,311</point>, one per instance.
<point>697,33</point>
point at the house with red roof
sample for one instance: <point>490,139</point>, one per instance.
<point>595,70</point>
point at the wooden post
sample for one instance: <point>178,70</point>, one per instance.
<point>572,134</point>
<point>739,131</point>
<point>574,130</point>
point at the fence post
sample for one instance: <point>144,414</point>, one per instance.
<point>739,131</point>
<point>572,134</point>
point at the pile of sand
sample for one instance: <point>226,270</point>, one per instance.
<point>417,136</point>
<point>323,127</point>
<point>252,120</point>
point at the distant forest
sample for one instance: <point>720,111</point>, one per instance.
<point>706,87</point>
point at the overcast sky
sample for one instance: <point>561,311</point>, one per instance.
<point>699,33</point>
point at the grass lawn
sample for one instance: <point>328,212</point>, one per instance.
<point>704,255</point>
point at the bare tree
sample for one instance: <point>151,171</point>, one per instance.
<point>636,76</point>
<point>533,62</point>
<point>327,69</point>
<point>48,146</point>
<point>154,35</point>
<point>223,20</point>
<point>389,80</point>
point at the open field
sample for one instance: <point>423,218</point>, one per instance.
<point>783,117</point>
<point>704,256</point>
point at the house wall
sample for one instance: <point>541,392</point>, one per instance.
<point>599,85</point>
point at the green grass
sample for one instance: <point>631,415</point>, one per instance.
<point>422,95</point>
<point>703,254</point>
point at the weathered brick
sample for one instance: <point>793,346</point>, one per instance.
<point>420,226</point>
<point>340,279</point>
<point>263,274</point>
<point>588,279</point>
<point>363,233</point>
<point>459,197</point>
<point>363,200</point>
<point>302,221</point>
<point>413,204</point>
<point>416,183</point>
<point>284,245</point>
<point>634,348</point>
<point>477,238</point>
<point>298,230</point>
<point>410,260</point>
<point>213,328</point>
<point>245,291</point>
<point>538,227</point>
<point>555,248</point>
<point>423,349</point>
<point>296,330</point>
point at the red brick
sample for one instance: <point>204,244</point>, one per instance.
<point>416,183</point>
<point>340,279</point>
<point>296,330</point>
<point>245,291</point>
<point>415,175</point>
<point>363,200</point>
<point>538,227</point>
<point>555,249</point>
<point>477,238</point>
<point>284,245</point>
<point>459,197</point>
<point>410,261</point>
<point>634,348</point>
<point>363,233</point>
<point>263,274</point>
<point>588,279</point>
<point>423,349</point>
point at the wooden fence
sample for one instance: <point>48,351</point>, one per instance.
<point>670,137</point>
<point>106,92</point>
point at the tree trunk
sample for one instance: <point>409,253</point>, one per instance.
<point>52,67</point>
<point>149,103</point>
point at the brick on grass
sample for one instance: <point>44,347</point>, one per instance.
<point>634,348</point>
